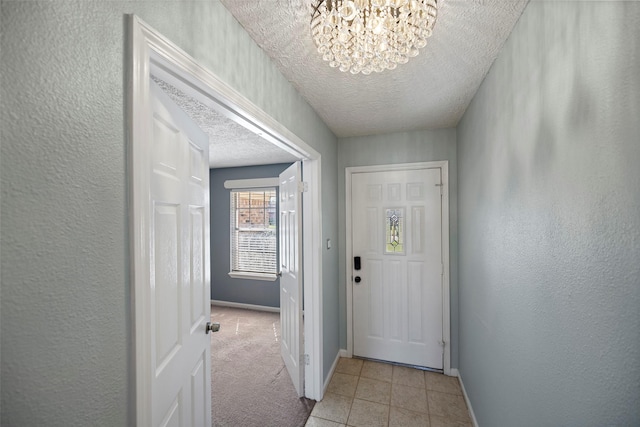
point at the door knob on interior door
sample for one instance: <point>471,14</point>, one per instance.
<point>357,279</point>
<point>212,327</point>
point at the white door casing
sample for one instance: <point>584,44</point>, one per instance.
<point>150,52</point>
<point>290,207</point>
<point>399,310</point>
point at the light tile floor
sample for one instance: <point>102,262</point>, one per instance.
<point>368,394</point>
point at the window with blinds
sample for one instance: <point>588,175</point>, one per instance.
<point>253,231</point>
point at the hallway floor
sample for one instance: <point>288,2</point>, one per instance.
<point>364,393</point>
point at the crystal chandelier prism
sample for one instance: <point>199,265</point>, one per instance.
<point>362,36</point>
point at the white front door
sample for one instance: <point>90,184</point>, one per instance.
<point>397,292</point>
<point>290,206</point>
<point>179,374</point>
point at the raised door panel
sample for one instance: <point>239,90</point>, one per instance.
<point>166,292</point>
<point>197,290</point>
<point>198,387</point>
<point>173,415</point>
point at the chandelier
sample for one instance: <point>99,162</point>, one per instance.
<point>362,36</point>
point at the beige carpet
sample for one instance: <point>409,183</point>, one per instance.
<point>249,384</point>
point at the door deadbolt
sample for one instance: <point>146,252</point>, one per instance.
<point>357,279</point>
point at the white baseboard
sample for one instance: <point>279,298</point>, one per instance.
<point>246,306</point>
<point>341,353</point>
<point>453,372</point>
<point>331,371</point>
<point>466,399</point>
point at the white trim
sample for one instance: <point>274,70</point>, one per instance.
<point>149,51</point>
<point>258,267</point>
<point>138,107</point>
<point>267,277</point>
<point>233,184</point>
<point>221,303</point>
<point>344,353</point>
<point>474,420</point>
<point>454,373</point>
<point>207,88</point>
<point>349,257</point>
<point>312,278</point>
<point>446,303</point>
<point>446,289</point>
<point>398,166</point>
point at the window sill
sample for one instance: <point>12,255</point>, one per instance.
<point>269,277</point>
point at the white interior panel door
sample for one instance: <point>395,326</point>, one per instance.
<point>291,344</point>
<point>179,377</point>
<point>397,293</point>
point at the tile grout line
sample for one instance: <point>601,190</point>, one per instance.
<point>346,423</point>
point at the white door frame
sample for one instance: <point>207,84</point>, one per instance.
<point>150,52</point>
<point>446,324</point>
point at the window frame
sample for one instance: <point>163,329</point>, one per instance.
<point>248,186</point>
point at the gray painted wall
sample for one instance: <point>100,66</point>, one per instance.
<point>65,311</point>
<point>402,147</point>
<point>549,222</point>
<point>223,287</point>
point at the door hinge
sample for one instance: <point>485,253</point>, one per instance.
<point>440,185</point>
<point>304,359</point>
<point>303,186</point>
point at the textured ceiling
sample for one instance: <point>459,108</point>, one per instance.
<point>230,144</point>
<point>431,91</point>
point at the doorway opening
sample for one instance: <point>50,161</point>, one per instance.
<point>402,206</point>
<point>152,54</point>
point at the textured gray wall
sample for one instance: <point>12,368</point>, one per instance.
<point>402,147</point>
<point>549,222</point>
<point>223,287</point>
<point>66,327</point>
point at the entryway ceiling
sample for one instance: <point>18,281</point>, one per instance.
<point>431,91</point>
<point>230,144</point>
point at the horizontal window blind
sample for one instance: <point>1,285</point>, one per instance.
<point>253,231</point>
